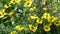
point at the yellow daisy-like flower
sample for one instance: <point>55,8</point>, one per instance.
<point>13,32</point>
<point>27,3</point>
<point>19,27</point>
<point>12,1</point>
<point>2,13</point>
<point>33,8</point>
<point>7,5</point>
<point>39,21</point>
<point>46,15</point>
<point>52,19</point>
<point>32,28</point>
<point>46,28</point>
<point>57,22</point>
<point>15,1</point>
<point>11,13</point>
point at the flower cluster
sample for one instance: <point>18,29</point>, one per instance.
<point>29,17</point>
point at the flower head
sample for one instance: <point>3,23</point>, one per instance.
<point>12,1</point>
<point>20,28</point>
<point>27,3</point>
<point>11,13</point>
<point>32,28</point>
<point>39,21</point>
<point>7,5</point>
<point>46,15</point>
<point>2,13</point>
<point>57,22</point>
<point>46,28</point>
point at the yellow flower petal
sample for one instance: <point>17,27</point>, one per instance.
<point>32,28</point>
<point>46,28</point>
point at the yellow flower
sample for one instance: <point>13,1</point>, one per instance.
<point>46,28</point>
<point>11,13</point>
<point>39,21</point>
<point>57,22</point>
<point>45,8</point>
<point>19,27</point>
<point>15,1</point>
<point>13,32</point>
<point>27,3</point>
<point>12,1</point>
<point>7,5</point>
<point>2,13</point>
<point>46,15</point>
<point>32,28</point>
<point>33,8</point>
<point>52,19</point>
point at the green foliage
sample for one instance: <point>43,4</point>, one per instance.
<point>16,13</point>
